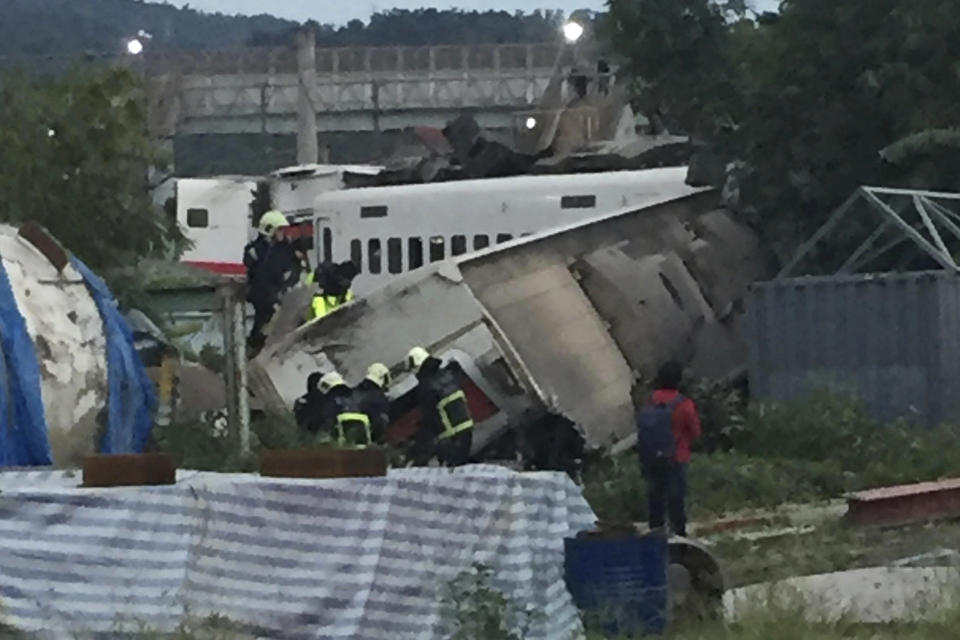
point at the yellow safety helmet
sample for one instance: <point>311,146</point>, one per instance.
<point>271,221</point>
<point>416,358</point>
<point>379,374</point>
<point>330,381</point>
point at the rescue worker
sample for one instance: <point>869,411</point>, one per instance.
<point>371,399</point>
<point>256,249</point>
<point>307,408</point>
<point>334,282</point>
<point>443,406</point>
<point>272,268</point>
<point>348,427</point>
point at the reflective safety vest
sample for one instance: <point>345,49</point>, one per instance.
<point>353,430</point>
<point>324,304</point>
<point>455,414</point>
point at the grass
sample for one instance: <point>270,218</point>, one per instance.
<point>763,457</point>
<point>811,450</point>
<point>831,547</point>
<point>787,623</point>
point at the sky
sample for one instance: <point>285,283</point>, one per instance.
<point>339,12</point>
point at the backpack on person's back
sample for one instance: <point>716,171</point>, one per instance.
<point>655,439</point>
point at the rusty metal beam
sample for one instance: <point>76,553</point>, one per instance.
<point>905,504</point>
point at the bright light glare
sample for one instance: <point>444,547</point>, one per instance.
<point>134,47</point>
<point>51,133</point>
<point>572,31</point>
<point>531,123</point>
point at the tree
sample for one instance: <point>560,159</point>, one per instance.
<point>811,98</point>
<point>75,159</point>
<point>677,51</point>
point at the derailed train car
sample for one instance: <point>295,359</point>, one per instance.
<point>551,330</point>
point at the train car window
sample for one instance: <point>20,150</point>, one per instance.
<point>578,202</point>
<point>504,237</point>
<point>395,255</point>
<point>373,212</point>
<point>356,254</point>
<point>415,253</point>
<point>198,218</point>
<point>327,244</point>
<point>438,248</point>
<point>374,255</point>
<point>481,242</point>
<point>458,245</point>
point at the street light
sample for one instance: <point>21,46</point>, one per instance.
<point>572,31</point>
<point>136,44</point>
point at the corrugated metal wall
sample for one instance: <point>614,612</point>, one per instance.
<point>890,339</point>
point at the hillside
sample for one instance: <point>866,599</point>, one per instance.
<point>51,27</point>
<point>40,27</point>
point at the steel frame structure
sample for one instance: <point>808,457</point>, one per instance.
<point>936,219</point>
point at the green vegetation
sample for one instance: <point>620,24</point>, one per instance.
<point>476,610</point>
<point>784,622</point>
<point>75,160</point>
<point>832,546</point>
<point>804,100</point>
<point>29,27</point>
<point>813,449</point>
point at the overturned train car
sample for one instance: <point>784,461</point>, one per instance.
<point>551,330</point>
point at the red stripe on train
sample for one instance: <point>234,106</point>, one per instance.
<point>226,268</point>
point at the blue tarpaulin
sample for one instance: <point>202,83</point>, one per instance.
<point>23,424</point>
<point>132,397</point>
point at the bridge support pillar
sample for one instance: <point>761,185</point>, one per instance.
<point>307,145</point>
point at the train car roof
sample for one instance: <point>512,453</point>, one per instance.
<point>667,175</point>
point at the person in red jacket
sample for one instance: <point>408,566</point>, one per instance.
<point>667,483</point>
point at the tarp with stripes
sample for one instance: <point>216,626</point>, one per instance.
<point>347,558</point>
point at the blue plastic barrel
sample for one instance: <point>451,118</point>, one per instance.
<point>620,584</point>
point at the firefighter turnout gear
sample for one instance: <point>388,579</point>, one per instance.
<point>271,221</point>
<point>323,304</point>
<point>416,358</point>
<point>348,425</point>
<point>455,414</point>
<point>371,398</point>
<point>447,422</point>
<point>330,380</point>
<point>379,374</point>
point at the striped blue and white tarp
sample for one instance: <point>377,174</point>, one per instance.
<point>351,558</point>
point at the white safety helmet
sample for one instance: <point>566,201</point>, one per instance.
<point>379,374</point>
<point>416,358</point>
<point>330,381</point>
<point>271,221</point>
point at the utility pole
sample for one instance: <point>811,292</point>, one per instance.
<point>307,148</point>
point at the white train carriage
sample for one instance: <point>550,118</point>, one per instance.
<point>387,231</point>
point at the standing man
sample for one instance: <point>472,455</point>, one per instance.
<point>665,430</point>
<point>445,413</point>
<point>272,268</point>
<point>371,399</point>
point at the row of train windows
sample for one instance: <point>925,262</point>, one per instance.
<point>436,251</point>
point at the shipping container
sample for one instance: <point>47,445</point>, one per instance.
<point>892,340</point>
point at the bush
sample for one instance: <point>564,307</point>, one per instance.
<point>813,449</point>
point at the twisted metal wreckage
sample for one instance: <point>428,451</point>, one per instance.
<point>551,330</point>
